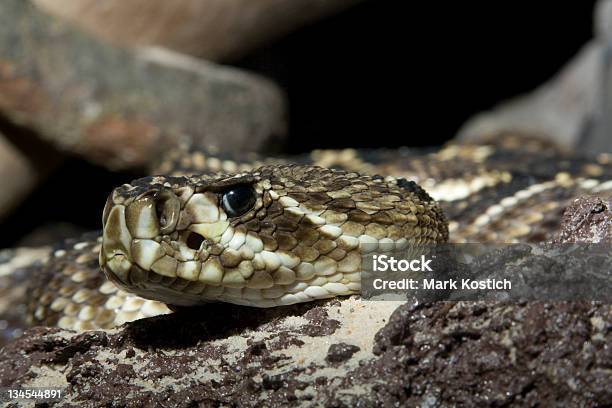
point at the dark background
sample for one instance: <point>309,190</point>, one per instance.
<point>383,74</point>
<point>393,72</point>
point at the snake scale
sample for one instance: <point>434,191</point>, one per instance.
<point>270,232</point>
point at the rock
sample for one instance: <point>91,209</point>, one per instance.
<point>340,352</point>
<point>121,108</point>
<point>213,29</point>
<point>572,108</point>
<point>215,355</point>
<point>444,353</point>
<point>587,219</point>
<point>495,354</point>
<point>597,139</point>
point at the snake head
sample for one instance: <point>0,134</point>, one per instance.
<point>160,229</point>
<point>277,235</point>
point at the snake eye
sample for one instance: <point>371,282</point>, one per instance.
<point>238,200</point>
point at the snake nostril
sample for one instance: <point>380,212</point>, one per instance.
<point>194,241</point>
<point>159,211</point>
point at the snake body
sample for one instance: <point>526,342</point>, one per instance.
<point>266,233</point>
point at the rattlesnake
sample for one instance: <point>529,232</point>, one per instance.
<point>262,232</point>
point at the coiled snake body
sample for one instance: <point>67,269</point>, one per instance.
<point>274,234</point>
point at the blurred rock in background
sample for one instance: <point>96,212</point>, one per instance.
<point>119,108</point>
<point>217,30</point>
<point>574,108</point>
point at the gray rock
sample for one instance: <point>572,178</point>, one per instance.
<point>599,137</point>
<point>120,108</point>
<point>603,20</point>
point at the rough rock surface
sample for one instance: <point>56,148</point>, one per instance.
<point>120,108</point>
<point>219,354</point>
<point>573,107</point>
<point>496,354</point>
<point>588,219</point>
<point>442,354</point>
<point>213,29</point>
